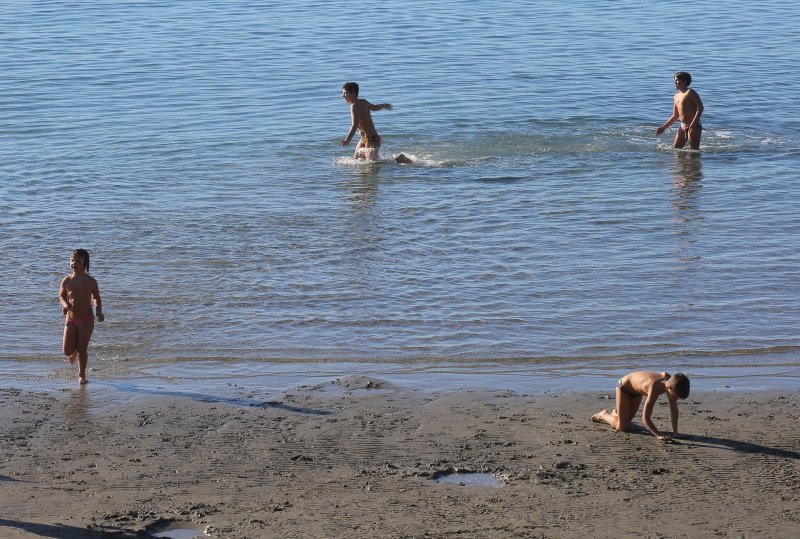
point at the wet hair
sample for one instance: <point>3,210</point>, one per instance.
<point>684,77</point>
<point>680,383</point>
<point>84,255</point>
<point>351,88</point>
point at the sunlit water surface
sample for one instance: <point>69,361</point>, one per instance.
<point>192,148</point>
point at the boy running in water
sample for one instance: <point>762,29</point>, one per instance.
<point>367,147</point>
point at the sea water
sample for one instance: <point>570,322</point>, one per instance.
<point>193,149</point>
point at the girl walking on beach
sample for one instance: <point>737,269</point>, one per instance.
<point>76,293</point>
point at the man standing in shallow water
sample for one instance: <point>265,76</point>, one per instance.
<point>688,108</point>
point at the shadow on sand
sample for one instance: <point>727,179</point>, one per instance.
<point>62,531</point>
<point>712,442</point>
<point>7,478</point>
<point>204,397</point>
<point>738,445</point>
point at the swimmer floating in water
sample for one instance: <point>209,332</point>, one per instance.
<point>370,142</point>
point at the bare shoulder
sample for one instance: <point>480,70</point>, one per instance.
<point>358,106</point>
<point>658,386</point>
<point>689,95</point>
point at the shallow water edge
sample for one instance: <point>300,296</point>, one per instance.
<point>250,381</point>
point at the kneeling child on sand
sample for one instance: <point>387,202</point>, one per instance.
<point>632,387</point>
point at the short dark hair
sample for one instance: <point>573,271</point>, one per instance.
<point>684,76</point>
<point>84,254</point>
<point>680,383</point>
<point>351,88</point>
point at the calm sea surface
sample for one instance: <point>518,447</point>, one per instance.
<point>192,148</point>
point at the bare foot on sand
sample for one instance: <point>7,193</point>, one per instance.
<point>403,160</point>
<point>82,380</point>
<point>598,417</point>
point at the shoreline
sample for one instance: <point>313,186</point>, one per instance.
<point>270,378</point>
<point>357,457</point>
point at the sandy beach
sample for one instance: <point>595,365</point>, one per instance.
<point>357,457</point>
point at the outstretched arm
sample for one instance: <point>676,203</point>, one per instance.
<point>670,121</point>
<point>387,106</point>
<point>648,409</point>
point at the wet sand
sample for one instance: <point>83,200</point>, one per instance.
<point>357,457</point>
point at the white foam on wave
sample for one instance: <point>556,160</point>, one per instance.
<point>581,140</point>
<point>386,158</point>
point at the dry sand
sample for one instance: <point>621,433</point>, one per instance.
<point>357,457</point>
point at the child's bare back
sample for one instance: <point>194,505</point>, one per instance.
<point>642,381</point>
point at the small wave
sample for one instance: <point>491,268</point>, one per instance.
<point>582,138</point>
<point>427,160</point>
<point>350,162</point>
<point>786,356</point>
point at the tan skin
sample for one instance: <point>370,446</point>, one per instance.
<point>77,291</point>
<point>644,385</point>
<point>360,114</point>
<point>687,107</point>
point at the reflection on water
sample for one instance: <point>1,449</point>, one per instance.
<point>687,174</point>
<point>363,190</point>
<point>510,236</point>
<point>77,406</point>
